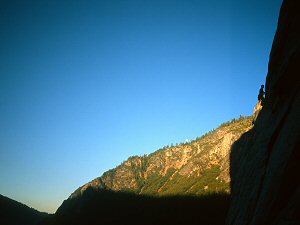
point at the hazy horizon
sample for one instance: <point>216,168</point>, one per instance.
<point>86,84</point>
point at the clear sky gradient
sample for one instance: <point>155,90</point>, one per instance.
<point>86,84</point>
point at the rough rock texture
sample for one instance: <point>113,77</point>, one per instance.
<point>265,168</point>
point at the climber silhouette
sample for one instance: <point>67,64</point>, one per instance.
<point>261,94</point>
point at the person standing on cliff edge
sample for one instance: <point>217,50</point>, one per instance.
<point>259,105</point>
<point>261,94</point>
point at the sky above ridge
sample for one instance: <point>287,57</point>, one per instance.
<point>86,84</point>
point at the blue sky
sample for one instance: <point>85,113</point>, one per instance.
<point>86,84</point>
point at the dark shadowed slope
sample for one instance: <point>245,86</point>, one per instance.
<point>118,208</point>
<point>16,213</point>
<point>265,168</point>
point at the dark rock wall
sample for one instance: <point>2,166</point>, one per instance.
<point>265,162</point>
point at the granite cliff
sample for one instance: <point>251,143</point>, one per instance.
<point>265,169</point>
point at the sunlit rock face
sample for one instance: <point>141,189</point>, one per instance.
<point>257,109</point>
<point>265,168</point>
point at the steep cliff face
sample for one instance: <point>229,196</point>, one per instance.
<point>265,168</point>
<point>196,167</point>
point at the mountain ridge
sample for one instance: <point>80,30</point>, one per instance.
<point>188,183</point>
<point>176,169</point>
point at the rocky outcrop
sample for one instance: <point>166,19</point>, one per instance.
<point>265,168</point>
<point>257,109</point>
